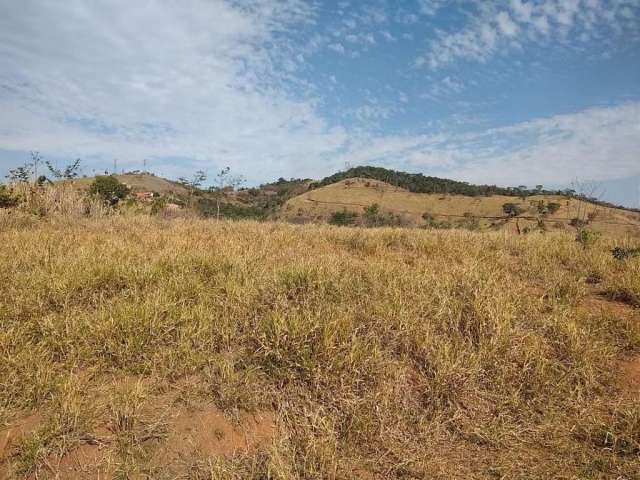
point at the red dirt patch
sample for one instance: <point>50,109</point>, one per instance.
<point>16,432</point>
<point>85,462</point>
<point>207,432</point>
<point>631,375</point>
<point>13,436</point>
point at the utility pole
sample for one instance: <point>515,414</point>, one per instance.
<point>144,162</point>
<point>115,166</point>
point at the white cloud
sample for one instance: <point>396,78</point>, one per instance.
<point>506,25</point>
<point>157,79</point>
<point>336,47</point>
<point>430,7</point>
<point>596,144</point>
<point>495,25</point>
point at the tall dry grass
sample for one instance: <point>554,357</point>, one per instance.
<point>61,200</point>
<point>385,353</point>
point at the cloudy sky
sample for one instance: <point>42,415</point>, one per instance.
<point>505,92</point>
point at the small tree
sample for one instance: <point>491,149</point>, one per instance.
<point>194,183</point>
<point>26,172</point>
<point>372,214</point>
<point>20,174</point>
<point>109,189</point>
<point>69,172</point>
<point>224,180</point>
<point>522,192</point>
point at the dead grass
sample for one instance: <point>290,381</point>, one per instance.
<point>383,353</point>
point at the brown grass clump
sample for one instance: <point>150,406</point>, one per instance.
<point>377,354</point>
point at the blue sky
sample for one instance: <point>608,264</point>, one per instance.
<point>505,92</point>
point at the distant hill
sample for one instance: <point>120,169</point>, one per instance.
<point>419,183</point>
<point>143,182</point>
<point>444,210</point>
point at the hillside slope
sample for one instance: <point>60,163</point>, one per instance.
<point>355,194</point>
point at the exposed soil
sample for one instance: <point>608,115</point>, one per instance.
<point>193,433</point>
<point>207,432</point>
<point>631,375</point>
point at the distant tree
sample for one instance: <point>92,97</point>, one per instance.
<point>522,192</point>
<point>195,181</point>
<point>372,214</point>
<point>539,189</point>
<point>587,205</point>
<point>225,180</point>
<point>69,172</point>
<point>511,209</point>
<point>109,189</point>
<point>553,207</point>
<point>20,174</point>
<point>27,172</point>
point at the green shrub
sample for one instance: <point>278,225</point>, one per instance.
<point>109,189</point>
<point>553,207</point>
<point>511,209</point>
<point>586,237</point>
<point>158,205</point>
<point>343,218</point>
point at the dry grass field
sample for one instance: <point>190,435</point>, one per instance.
<point>134,347</point>
<point>357,193</point>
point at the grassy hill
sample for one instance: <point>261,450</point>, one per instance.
<point>355,194</point>
<point>135,347</point>
<point>143,182</point>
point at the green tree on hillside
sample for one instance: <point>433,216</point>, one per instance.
<point>109,189</point>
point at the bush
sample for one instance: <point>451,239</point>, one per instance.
<point>109,189</point>
<point>343,218</point>
<point>553,207</point>
<point>587,237</point>
<point>511,209</point>
<point>577,222</point>
<point>6,199</point>
<point>158,205</point>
